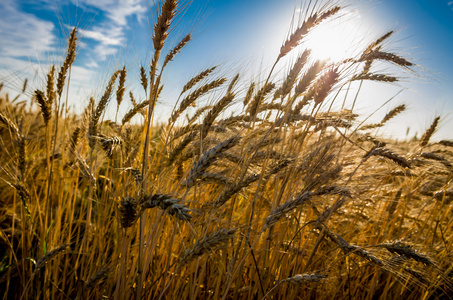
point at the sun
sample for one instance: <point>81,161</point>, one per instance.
<point>336,39</point>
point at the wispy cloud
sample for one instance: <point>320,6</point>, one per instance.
<point>450,4</point>
<point>23,34</point>
<point>109,34</point>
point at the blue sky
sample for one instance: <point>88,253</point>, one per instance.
<point>241,36</point>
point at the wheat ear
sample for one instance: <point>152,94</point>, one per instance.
<point>207,244</point>
<point>70,56</point>
<point>296,37</point>
<point>427,135</point>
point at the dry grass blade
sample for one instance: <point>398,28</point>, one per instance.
<point>207,244</point>
<point>428,134</point>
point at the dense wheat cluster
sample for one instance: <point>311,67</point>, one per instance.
<point>284,199</point>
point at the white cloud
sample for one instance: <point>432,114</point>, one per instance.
<point>99,36</point>
<point>118,10</point>
<point>23,34</point>
<point>110,34</point>
<point>450,3</point>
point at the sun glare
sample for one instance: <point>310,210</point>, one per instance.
<point>337,39</point>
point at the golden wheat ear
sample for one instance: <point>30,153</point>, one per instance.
<point>429,133</point>
<point>70,57</point>
<point>297,36</point>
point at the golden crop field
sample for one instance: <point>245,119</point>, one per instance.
<point>285,198</point>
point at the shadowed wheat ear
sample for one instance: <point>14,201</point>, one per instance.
<point>252,108</point>
<point>386,118</point>
<point>279,212</point>
<point>128,209</point>
<point>161,29</point>
<point>135,110</point>
<point>207,244</point>
<point>93,125</point>
<point>192,97</point>
<point>168,204</point>
<point>390,155</point>
<point>292,76</point>
<point>70,56</point>
<point>207,159</point>
<point>24,196</point>
<point>44,105</point>
<point>298,279</point>
<point>307,79</point>
<point>10,125</point>
<point>197,79</point>
<point>50,93</point>
<point>428,134</point>
<point>143,78</point>
<point>406,251</point>
<point>176,50</point>
<point>214,113</point>
<point>121,89</point>
<point>296,37</point>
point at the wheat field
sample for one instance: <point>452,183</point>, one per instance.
<point>285,198</point>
